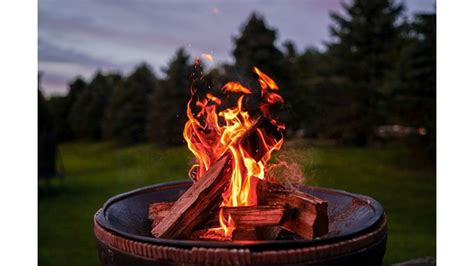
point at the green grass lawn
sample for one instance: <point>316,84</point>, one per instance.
<point>400,179</point>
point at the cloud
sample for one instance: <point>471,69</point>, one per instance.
<point>60,65</point>
<point>91,34</point>
<point>48,52</point>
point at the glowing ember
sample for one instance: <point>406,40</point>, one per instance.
<point>208,57</point>
<point>210,133</point>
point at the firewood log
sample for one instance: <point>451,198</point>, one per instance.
<point>199,201</point>
<point>253,216</point>
<point>246,216</point>
<point>159,210</point>
<point>252,222</point>
<point>295,210</point>
<point>195,205</point>
<point>243,234</point>
<point>238,234</point>
<point>309,218</point>
<point>268,232</point>
<point>206,234</point>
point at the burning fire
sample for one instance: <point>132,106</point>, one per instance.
<point>210,133</point>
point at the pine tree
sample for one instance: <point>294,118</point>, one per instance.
<point>75,89</point>
<point>47,143</point>
<point>366,42</point>
<point>255,46</point>
<point>87,111</point>
<point>311,105</point>
<point>109,121</point>
<point>412,83</point>
<point>167,114</point>
<point>126,113</point>
<point>60,107</point>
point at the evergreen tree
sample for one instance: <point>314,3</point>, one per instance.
<point>290,52</point>
<point>87,111</point>
<point>75,89</point>
<point>412,84</point>
<point>109,121</point>
<point>311,105</point>
<point>126,113</point>
<point>366,42</point>
<point>255,46</point>
<point>60,107</point>
<point>167,114</point>
<point>47,143</point>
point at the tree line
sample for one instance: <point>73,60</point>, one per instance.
<point>378,68</point>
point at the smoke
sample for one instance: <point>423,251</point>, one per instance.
<point>287,170</point>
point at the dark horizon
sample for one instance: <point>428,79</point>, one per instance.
<point>118,35</point>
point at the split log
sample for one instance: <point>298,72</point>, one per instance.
<point>268,232</point>
<point>296,211</point>
<point>159,210</point>
<point>244,234</point>
<point>252,222</point>
<point>207,234</point>
<point>199,201</point>
<point>254,216</point>
<point>309,219</point>
<point>195,205</point>
<point>239,234</point>
<point>245,216</point>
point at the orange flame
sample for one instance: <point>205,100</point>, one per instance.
<point>210,134</point>
<point>235,87</point>
<point>265,81</point>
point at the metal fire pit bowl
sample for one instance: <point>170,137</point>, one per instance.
<point>357,234</point>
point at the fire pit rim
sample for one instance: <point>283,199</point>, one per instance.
<point>254,245</point>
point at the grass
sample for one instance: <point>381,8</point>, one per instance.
<point>400,179</point>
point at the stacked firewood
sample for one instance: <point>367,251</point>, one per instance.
<point>279,209</point>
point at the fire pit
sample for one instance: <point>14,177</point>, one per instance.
<point>241,208</point>
<point>357,234</point>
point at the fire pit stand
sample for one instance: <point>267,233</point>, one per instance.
<point>357,235</point>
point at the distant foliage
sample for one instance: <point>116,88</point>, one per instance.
<point>412,83</point>
<point>47,140</point>
<point>60,108</point>
<point>309,94</point>
<point>87,111</point>
<point>377,69</point>
<point>365,46</point>
<point>113,106</point>
<point>256,47</point>
<point>126,115</point>
<point>167,113</point>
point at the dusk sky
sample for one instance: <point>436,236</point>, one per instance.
<point>76,38</point>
